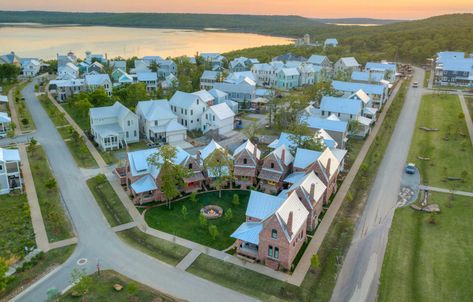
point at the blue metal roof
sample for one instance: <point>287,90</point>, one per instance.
<point>321,123</point>
<point>144,184</point>
<point>381,66</point>
<point>341,105</point>
<point>354,87</point>
<point>305,157</point>
<point>248,232</point>
<point>262,205</point>
<point>367,76</point>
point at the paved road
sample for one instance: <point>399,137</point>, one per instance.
<point>97,242</point>
<point>359,277</point>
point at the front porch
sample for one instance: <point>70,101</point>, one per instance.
<point>248,250</point>
<point>245,182</point>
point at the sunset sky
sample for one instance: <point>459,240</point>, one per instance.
<point>400,9</point>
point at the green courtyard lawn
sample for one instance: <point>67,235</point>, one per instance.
<point>101,289</point>
<point>16,230</point>
<point>172,221</point>
<point>24,115</point>
<point>55,219</point>
<point>449,149</point>
<point>246,281</point>
<point>430,262</point>
<point>111,205</point>
<point>39,266</point>
<point>161,249</point>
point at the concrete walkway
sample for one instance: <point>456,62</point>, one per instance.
<point>41,236</point>
<point>123,227</point>
<point>304,264</point>
<point>442,190</point>
<point>188,260</point>
<point>63,243</point>
<point>466,112</point>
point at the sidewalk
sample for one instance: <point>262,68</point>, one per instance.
<point>41,236</point>
<point>448,191</point>
<point>304,264</point>
<point>466,112</point>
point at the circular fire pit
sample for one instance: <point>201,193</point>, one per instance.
<point>212,212</point>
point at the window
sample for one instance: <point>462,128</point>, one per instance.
<point>1,167</point>
<point>197,104</point>
<point>213,118</point>
<point>129,123</point>
<point>190,166</point>
<point>274,234</point>
<point>245,161</point>
<point>127,134</point>
<point>270,251</point>
<point>155,123</point>
<point>276,253</point>
<point>272,165</point>
<point>134,133</point>
<point>192,112</point>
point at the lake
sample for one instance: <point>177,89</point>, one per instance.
<point>42,41</point>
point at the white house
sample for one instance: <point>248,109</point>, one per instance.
<point>218,117</point>
<point>240,90</point>
<point>331,42</point>
<point>158,123</point>
<point>67,72</point>
<point>150,79</point>
<point>95,68</point>
<point>5,124</point>
<point>10,174</point>
<point>66,88</point>
<point>241,64</point>
<point>208,78</point>
<point>388,69</point>
<point>189,109</point>
<point>306,74</point>
<point>30,68</point>
<point>347,65</point>
<point>114,127</point>
<point>94,81</point>
<point>319,60</point>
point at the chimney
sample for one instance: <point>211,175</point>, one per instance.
<point>289,223</point>
<point>312,190</point>
<point>283,156</point>
<point>329,161</point>
<point>255,150</point>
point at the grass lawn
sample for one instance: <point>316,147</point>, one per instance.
<point>39,266</point>
<point>16,230</point>
<point>55,115</point>
<point>240,279</point>
<point>353,147</point>
<point>81,120</point>
<point>24,115</point>
<point>111,205</point>
<point>427,262</point>
<point>449,158</point>
<point>101,289</point>
<point>56,222</point>
<point>161,249</point>
<point>427,77</point>
<point>81,154</point>
<point>173,222</point>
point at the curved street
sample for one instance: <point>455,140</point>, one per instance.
<point>358,279</point>
<point>97,242</point>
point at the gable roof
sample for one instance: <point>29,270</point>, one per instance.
<point>144,184</point>
<point>381,66</point>
<point>209,149</point>
<point>305,157</point>
<point>317,59</point>
<point>306,182</point>
<point>139,164</point>
<point>248,232</point>
<point>299,215</point>
<point>155,110</point>
<point>360,95</point>
<point>217,93</point>
<point>222,111</point>
<point>183,99</point>
<point>326,124</point>
<point>341,105</point>
<point>288,158</point>
<point>147,76</point>
<point>210,75</point>
<point>367,76</point>
<point>116,110</point>
<point>248,145</point>
<point>353,87</point>
<point>289,71</point>
<point>262,205</point>
<point>204,95</point>
<point>96,79</point>
<point>349,62</point>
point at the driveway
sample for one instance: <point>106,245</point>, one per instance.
<point>358,279</point>
<point>97,242</point>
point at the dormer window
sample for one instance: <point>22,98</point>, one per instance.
<point>190,166</point>
<point>272,165</point>
<point>245,161</point>
<point>274,234</point>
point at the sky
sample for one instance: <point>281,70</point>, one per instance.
<point>400,9</point>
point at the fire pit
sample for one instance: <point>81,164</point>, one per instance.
<point>212,212</point>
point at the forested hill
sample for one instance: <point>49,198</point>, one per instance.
<point>409,40</point>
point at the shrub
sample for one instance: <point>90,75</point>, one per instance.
<point>25,121</point>
<point>213,231</point>
<point>228,215</point>
<point>51,183</point>
<point>184,212</point>
<point>236,200</point>
<point>202,220</point>
<point>193,197</point>
<point>314,261</point>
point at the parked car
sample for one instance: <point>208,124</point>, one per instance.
<point>415,84</point>
<point>410,168</point>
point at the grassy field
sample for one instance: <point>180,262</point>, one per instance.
<point>172,221</point>
<point>426,78</point>
<point>39,266</point>
<point>111,205</point>
<point>24,115</point>
<point>56,222</point>
<point>16,230</point>
<point>240,279</point>
<point>449,149</point>
<point>161,249</point>
<point>101,289</point>
<point>430,262</point>
<point>55,115</point>
<point>81,120</point>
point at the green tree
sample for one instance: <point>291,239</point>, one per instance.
<point>251,130</point>
<point>184,211</point>
<point>301,136</point>
<point>213,231</point>
<point>171,175</point>
<point>219,165</point>
<point>193,197</point>
<point>202,220</point>
<point>228,215</point>
<point>354,127</point>
<point>236,200</point>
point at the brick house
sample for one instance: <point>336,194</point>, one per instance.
<point>274,231</point>
<point>143,179</point>
<point>246,163</point>
<point>276,166</point>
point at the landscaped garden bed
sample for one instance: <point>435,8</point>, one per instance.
<point>186,223</point>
